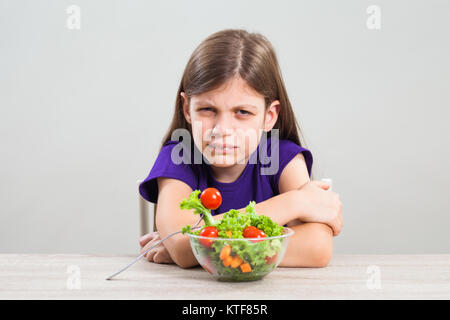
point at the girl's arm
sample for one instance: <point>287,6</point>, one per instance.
<point>170,218</point>
<point>312,243</point>
<point>309,203</point>
<point>310,246</point>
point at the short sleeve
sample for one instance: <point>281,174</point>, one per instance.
<point>165,167</point>
<point>287,151</point>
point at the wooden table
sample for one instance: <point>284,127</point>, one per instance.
<point>77,276</point>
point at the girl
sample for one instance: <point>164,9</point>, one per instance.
<point>232,90</point>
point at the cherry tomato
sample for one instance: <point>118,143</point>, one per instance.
<point>210,232</point>
<point>211,198</point>
<point>253,232</point>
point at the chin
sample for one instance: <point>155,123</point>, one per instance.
<point>223,164</point>
<point>228,161</point>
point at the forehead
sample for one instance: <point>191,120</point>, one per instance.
<point>234,93</point>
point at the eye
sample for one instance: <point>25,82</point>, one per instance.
<point>244,112</point>
<point>206,109</point>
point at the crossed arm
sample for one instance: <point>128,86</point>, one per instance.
<point>310,246</point>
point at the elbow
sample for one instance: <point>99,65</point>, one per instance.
<point>182,258</point>
<point>182,263</point>
<point>322,257</point>
<point>322,248</point>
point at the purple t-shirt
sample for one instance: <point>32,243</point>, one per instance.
<point>251,185</point>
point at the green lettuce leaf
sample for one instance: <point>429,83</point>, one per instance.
<point>193,202</point>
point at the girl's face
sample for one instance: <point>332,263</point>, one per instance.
<point>227,123</point>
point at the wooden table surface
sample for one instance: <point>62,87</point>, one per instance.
<point>77,276</point>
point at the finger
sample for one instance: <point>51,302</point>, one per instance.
<point>335,231</point>
<point>335,225</point>
<point>322,184</point>
<point>154,241</point>
<point>146,238</point>
<point>150,255</point>
<point>338,226</point>
<point>162,256</point>
<point>159,256</point>
<point>329,181</point>
<point>149,244</point>
<point>156,255</point>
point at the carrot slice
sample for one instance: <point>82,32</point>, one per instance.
<point>227,261</point>
<point>245,267</point>
<point>225,252</point>
<point>229,233</point>
<point>236,262</point>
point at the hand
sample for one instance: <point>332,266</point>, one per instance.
<point>158,254</point>
<point>321,205</point>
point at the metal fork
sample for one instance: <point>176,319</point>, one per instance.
<point>155,245</point>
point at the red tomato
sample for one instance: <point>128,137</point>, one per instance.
<point>210,232</point>
<point>273,259</point>
<point>253,232</point>
<point>211,198</point>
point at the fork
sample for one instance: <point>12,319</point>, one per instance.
<point>196,226</point>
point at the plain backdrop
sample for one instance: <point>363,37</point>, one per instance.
<point>83,112</point>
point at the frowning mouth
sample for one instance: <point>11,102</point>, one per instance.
<point>222,148</point>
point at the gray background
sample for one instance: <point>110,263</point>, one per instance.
<point>83,113</point>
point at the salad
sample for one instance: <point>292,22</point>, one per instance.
<point>247,259</point>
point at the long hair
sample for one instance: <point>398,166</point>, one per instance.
<point>227,54</point>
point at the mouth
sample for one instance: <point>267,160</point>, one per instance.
<point>222,148</point>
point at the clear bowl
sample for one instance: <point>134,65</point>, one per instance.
<point>245,259</point>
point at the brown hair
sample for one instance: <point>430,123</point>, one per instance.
<point>227,54</point>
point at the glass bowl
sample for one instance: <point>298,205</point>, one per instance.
<point>240,259</point>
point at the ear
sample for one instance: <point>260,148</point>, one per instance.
<point>186,110</point>
<point>271,115</point>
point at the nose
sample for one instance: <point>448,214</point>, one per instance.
<point>223,126</point>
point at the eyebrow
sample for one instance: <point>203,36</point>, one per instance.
<point>209,104</point>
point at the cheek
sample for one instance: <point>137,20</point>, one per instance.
<point>253,127</point>
<point>250,133</point>
<point>251,138</point>
<point>250,144</point>
<point>201,131</point>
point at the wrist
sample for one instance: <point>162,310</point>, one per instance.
<point>299,203</point>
